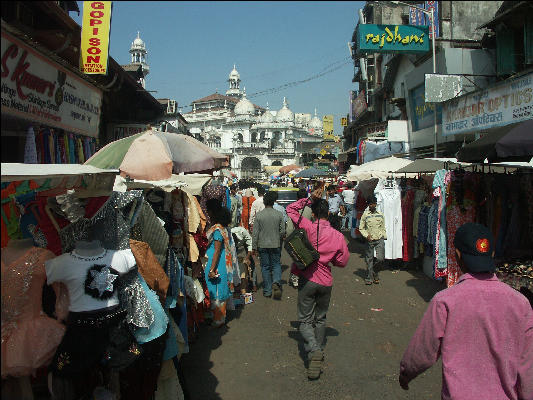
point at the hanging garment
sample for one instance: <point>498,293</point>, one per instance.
<point>51,147</point>
<point>150,269</point>
<point>441,180</point>
<point>29,336</point>
<point>30,149</point>
<point>168,384</point>
<point>455,217</point>
<point>160,324</point>
<point>407,225</point>
<point>148,229</point>
<point>112,222</point>
<point>389,204</point>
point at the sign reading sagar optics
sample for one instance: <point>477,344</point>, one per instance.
<point>392,38</point>
<point>38,89</point>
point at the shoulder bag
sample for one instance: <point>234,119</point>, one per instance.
<point>300,248</point>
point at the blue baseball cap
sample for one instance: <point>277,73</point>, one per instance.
<point>476,244</point>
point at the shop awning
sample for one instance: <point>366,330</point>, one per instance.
<point>381,168</point>
<point>426,165</point>
<point>21,172</point>
<point>507,143</point>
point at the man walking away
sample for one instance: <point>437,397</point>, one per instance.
<point>316,281</point>
<point>257,206</point>
<point>268,230</point>
<point>335,205</point>
<point>482,328</point>
<point>372,228</point>
<point>236,206</point>
<point>307,213</point>
<point>348,196</point>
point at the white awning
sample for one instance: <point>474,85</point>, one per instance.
<point>21,172</point>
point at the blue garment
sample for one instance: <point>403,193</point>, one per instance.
<point>218,287</point>
<point>270,268</point>
<point>438,182</point>
<point>159,326</point>
<point>228,199</point>
<point>346,220</point>
<point>175,273</point>
<point>282,210</point>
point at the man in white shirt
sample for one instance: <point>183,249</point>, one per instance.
<point>257,206</point>
<point>348,195</point>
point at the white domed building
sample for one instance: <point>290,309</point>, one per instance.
<point>253,136</point>
<point>138,60</point>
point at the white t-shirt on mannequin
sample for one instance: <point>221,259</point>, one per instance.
<point>84,275</point>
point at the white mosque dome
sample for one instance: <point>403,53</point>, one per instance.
<point>244,106</point>
<point>138,42</point>
<point>234,74</point>
<point>316,123</point>
<point>267,116</point>
<point>285,114</point>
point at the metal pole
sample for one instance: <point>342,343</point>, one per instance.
<point>434,71</point>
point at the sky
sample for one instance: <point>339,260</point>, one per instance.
<point>192,47</point>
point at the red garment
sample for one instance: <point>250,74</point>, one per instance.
<point>245,214</point>
<point>407,225</point>
<point>47,228</point>
<point>94,204</point>
<point>454,219</point>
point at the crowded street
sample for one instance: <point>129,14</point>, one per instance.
<point>260,353</point>
<point>266,200</point>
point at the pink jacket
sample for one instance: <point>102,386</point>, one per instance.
<point>483,329</point>
<point>331,246</point>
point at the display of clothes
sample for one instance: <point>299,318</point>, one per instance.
<point>54,146</point>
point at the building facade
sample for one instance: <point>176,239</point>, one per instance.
<point>389,107</point>
<point>253,136</point>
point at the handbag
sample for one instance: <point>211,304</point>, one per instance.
<point>299,247</point>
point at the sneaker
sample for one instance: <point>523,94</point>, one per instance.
<point>267,295</point>
<point>293,281</point>
<point>276,289</point>
<point>368,282</point>
<point>315,364</point>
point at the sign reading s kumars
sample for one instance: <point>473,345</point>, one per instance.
<point>392,38</point>
<point>95,37</point>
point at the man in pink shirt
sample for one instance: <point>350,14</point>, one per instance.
<point>482,328</point>
<point>315,282</point>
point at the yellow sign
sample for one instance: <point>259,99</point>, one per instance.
<point>323,152</point>
<point>344,121</point>
<point>328,123</point>
<point>96,25</point>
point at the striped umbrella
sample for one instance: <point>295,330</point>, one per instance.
<point>155,155</point>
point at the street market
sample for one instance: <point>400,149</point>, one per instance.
<point>154,254</point>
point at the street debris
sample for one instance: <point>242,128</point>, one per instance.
<point>376,309</point>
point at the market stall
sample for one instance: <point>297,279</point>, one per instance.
<point>137,258</point>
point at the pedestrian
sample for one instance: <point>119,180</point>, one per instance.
<point>372,228</point>
<point>266,241</point>
<point>247,201</point>
<point>236,206</point>
<point>307,213</point>
<point>243,245</point>
<point>257,206</point>
<point>315,282</point>
<point>220,264</point>
<point>335,205</point>
<point>348,196</point>
<point>482,328</point>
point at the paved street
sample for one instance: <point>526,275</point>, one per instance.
<point>258,356</point>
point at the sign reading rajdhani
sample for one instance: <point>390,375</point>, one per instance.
<point>392,39</point>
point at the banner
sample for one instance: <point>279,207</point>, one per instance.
<point>359,105</point>
<point>419,18</point>
<point>95,37</point>
<point>503,104</point>
<point>37,89</point>
<point>328,123</point>
<point>422,113</point>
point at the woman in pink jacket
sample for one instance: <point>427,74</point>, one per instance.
<point>315,282</point>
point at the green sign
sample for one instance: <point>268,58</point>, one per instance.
<point>392,39</point>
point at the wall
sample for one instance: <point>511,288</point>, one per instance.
<point>466,16</point>
<point>449,61</point>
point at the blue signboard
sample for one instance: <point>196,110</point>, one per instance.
<point>422,112</point>
<point>392,39</point>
